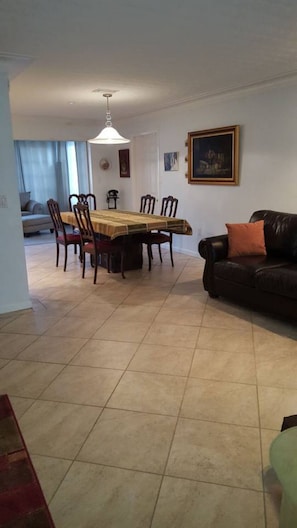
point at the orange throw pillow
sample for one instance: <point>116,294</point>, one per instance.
<point>246,239</point>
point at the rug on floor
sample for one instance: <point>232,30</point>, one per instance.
<point>22,503</point>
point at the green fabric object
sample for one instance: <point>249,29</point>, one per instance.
<point>283,458</point>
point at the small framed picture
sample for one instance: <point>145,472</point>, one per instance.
<point>124,161</point>
<point>171,161</point>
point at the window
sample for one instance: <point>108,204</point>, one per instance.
<point>52,169</point>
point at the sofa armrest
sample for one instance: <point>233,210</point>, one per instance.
<point>34,207</point>
<point>212,249</point>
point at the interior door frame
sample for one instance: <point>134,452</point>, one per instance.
<point>145,177</point>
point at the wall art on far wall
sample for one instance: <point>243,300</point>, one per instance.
<point>213,156</point>
<point>124,161</point>
<point>171,161</point>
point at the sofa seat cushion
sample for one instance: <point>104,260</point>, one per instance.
<point>38,222</point>
<point>243,269</point>
<point>37,219</point>
<point>279,281</point>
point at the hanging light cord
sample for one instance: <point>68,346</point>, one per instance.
<point>108,114</point>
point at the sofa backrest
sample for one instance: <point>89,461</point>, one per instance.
<point>280,231</point>
<point>24,199</point>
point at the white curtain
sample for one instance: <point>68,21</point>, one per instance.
<point>48,169</point>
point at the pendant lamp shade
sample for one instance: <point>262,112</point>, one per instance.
<point>109,135</point>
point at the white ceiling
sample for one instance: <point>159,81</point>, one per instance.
<point>151,53</point>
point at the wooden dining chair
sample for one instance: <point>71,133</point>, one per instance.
<point>72,199</point>
<point>112,197</point>
<point>92,245</point>
<point>147,204</point>
<point>90,198</point>
<point>62,238</point>
<point>168,208</point>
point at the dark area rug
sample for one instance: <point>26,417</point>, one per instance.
<point>22,503</point>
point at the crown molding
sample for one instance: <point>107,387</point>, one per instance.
<point>12,63</point>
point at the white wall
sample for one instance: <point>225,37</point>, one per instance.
<point>268,140</point>
<point>103,181</point>
<point>268,158</point>
<point>14,294</point>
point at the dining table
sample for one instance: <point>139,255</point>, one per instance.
<point>116,223</point>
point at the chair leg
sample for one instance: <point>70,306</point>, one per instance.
<point>122,264</point>
<point>160,254</point>
<point>65,257</point>
<point>75,246</point>
<point>108,262</point>
<point>95,267</point>
<point>57,256</point>
<point>84,264</point>
<point>171,255</point>
<point>75,251</point>
<point>149,254</point>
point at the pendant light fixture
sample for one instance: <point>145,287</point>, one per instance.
<point>109,135</point>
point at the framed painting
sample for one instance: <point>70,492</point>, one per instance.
<point>171,161</point>
<point>124,161</point>
<point>213,156</point>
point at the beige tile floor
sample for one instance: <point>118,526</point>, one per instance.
<point>143,403</point>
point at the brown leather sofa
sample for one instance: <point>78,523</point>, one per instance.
<point>267,283</point>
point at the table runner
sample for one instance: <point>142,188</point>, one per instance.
<point>115,223</point>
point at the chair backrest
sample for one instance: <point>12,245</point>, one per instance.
<point>84,223</point>
<point>147,204</point>
<point>54,211</point>
<point>169,206</point>
<point>89,198</point>
<point>112,193</point>
<point>73,198</point>
<point>111,197</point>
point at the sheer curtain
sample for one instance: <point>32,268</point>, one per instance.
<point>52,169</point>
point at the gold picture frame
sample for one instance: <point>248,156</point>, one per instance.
<point>213,156</point>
